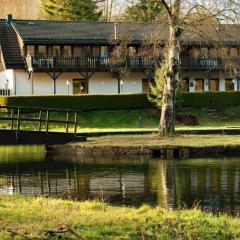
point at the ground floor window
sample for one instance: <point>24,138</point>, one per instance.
<point>229,85</point>
<point>214,85</point>
<point>199,85</point>
<point>184,85</point>
<point>80,86</point>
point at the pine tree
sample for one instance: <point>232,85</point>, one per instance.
<point>70,10</point>
<point>143,11</point>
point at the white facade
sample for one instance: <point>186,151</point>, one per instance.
<point>40,83</point>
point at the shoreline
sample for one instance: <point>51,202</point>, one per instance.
<point>163,152</point>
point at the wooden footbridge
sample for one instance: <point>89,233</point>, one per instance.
<point>24,125</point>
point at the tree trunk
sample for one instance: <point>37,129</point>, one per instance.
<point>167,121</point>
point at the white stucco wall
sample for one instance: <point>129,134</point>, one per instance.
<point>4,84</point>
<point>133,83</point>
<point>221,84</point>
<point>2,79</point>
<point>99,83</point>
<point>104,83</point>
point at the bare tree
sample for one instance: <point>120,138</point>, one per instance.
<point>189,19</point>
<point>20,9</point>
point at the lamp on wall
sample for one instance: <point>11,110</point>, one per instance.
<point>121,84</point>
<point>68,86</point>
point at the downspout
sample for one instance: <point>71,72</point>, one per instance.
<point>15,83</point>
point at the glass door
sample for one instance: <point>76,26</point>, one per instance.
<point>80,86</point>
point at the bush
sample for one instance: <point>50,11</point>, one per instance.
<point>211,99</point>
<point>121,101</point>
<point>80,102</point>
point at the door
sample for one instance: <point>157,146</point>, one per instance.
<point>214,85</point>
<point>80,86</point>
<point>199,85</point>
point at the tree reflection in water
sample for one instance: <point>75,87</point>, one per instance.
<point>212,183</point>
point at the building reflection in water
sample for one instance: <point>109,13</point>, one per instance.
<point>213,184</point>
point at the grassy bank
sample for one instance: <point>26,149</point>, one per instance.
<point>132,120</point>
<point>155,140</point>
<point>40,218</point>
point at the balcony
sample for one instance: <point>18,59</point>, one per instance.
<point>202,63</point>
<point>90,63</point>
<point>105,64</point>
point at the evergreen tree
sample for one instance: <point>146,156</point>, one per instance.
<point>143,11</point>
<point>71,10</point>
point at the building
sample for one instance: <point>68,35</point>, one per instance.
<point>58,57</point>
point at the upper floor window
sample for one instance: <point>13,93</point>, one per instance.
<point>132,51</point>
<point>56,51</point>
<point>104,51</point>
<point>85,51</point>
<point>31,50</point>
<point>67,51</point>
<point>42,51</point>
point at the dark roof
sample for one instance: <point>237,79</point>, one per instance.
<point>10,46</point>
<point>44,31</point>
<point>66,32</point>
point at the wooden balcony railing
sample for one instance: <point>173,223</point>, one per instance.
<point>90,63</point>
<point>105,64</point>
<point>202,63</point>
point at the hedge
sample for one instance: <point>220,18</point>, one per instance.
<point>121,101</point>
<point>80,102</point>
<point>210,99</point>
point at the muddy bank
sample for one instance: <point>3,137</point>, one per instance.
<point>165,152</point>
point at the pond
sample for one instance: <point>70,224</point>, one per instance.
<point>212,184</point>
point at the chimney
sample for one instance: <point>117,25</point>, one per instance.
<point>9,19</point>
<point>115,31</point>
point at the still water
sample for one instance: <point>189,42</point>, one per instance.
<point>212,184</point>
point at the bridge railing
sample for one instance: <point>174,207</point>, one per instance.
<point>18,115</point>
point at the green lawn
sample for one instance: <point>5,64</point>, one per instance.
<point>96,121</point>
<point>156,140</point>
<point>41,218</point>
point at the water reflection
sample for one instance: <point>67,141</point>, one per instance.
<point>214,184</point>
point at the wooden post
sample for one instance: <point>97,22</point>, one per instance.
<point>67,122</point>
<point>12,115</point>
<point>40,121</point>
<point>75,125</point>
<point>18,119</point>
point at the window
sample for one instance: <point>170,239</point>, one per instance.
<point>132,51</point>
<point>104,51</point>
<point>67,51</point>
<point>42,51</point>
<point>56,51</point>
<point>85,51</point>
<point>31,50</point>
<point>214,85</point>
<point>199,85</point>
<point>229,85</point>
<point>80,86</point>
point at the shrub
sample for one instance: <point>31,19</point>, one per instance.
<point>80,102</point>
<point>211,99</point>
<point>121,101</point>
